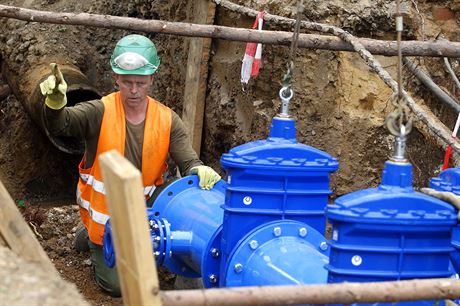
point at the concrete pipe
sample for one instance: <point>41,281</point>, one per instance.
<point>27,90</point>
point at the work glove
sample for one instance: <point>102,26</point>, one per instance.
<point>446,196</point>
<point>208,177</point>
<point>54,88</point>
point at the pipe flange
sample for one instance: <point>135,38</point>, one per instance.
<point>212,259</point>
<point>254,244</point>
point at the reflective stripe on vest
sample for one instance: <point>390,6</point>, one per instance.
<point>95,215</point>
<point>98,186</point>
<point>112,136</point>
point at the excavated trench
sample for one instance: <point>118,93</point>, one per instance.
<point>339,104</point>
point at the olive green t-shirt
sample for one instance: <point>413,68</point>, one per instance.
<point>84,120</point>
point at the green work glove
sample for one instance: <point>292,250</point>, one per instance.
<point>54,88</point>
<point>208,177</point>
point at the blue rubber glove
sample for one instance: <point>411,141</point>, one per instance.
<point>208,177</point>
<point>54,88</point>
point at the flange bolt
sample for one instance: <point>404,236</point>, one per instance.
<point>215,252</point>
<point>212,278</point>
<point>303,232</point>
<point>238,268</point>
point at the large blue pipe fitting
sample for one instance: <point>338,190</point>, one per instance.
<point>449,180</point>
<point>390,232</point>
<point>278,252</point>
<point>184,223</point>
<point>274,179</point>
<point>191,219</point>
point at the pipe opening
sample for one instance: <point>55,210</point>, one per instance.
<point>73,145</point>
<point>78,90</point>
<point>77,96</point>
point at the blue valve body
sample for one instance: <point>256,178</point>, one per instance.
<point>390,233</point>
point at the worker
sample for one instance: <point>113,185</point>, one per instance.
<point>139,127</point>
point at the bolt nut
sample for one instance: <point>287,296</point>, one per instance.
<point>323,246</point>
<point>356,260</point>
<point>277,231</point>
<point>303,232</point>
<point>215,252</point>
<point>213,279</point>
<point>238,268</point>
<point>253,244</point>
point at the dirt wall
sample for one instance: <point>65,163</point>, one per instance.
<point>340,105</point>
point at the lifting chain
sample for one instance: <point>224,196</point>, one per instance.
<point>398,122</point>
<point>286,93</point>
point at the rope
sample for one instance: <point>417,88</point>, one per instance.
<point>295,39</point>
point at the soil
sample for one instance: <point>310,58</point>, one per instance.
<point>339,104</point>
<point>55,229</point>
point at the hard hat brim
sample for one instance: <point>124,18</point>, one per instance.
<point>139,71</point>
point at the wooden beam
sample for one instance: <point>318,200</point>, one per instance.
<point>133,247</point>
<point>197,74</point>
<point>311,41</point>
<point>342,293</point>
<point>17,235</point>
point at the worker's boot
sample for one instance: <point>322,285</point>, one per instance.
<point>81,239</point>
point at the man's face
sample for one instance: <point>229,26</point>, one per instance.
<point>133,88</point>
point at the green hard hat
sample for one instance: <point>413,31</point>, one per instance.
<point>135,54</point>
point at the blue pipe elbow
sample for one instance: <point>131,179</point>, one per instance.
<point>195,216</point>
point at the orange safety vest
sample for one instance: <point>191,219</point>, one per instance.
<point>90,189</point>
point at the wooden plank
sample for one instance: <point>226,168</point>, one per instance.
<point>197,74</point>
<point>17,235</point>
<point>125,197</point>
<point>345,293</point>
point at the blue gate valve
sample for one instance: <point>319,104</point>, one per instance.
<point>390,233</point>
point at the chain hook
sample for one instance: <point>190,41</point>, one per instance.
<point>399,125</point>
<point>286,94</point>
<point>399,120</point>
